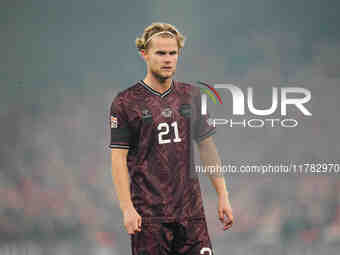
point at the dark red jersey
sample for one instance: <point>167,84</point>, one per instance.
<point>159,130</point>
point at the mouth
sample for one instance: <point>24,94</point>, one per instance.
<point>166,68</point>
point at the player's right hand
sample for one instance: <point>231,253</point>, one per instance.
<point>132,220</point>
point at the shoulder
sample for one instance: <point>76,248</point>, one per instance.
<point>187,88</point>
<point>130,94</point>
<point>126,98</point>
<point>130,91</point>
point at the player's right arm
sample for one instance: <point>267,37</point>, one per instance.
<point>120,177</point>
<point>120,143</point>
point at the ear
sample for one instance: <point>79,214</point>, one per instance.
<point>143,54</point>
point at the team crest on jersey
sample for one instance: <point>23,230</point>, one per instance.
<point>185,110</point>
<point>167,112</point>
<point>114,122</point>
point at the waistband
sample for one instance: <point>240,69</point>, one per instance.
<point>151,220</point>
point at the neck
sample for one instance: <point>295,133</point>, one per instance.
<point>157,84</point>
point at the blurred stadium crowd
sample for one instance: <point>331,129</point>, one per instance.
<point>268,210</point>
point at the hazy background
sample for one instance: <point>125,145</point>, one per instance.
<point>62,62</point>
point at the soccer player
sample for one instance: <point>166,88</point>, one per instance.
<point>153,125</point>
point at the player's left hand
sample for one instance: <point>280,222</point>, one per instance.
<point>225,213</point>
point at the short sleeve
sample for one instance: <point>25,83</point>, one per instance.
<point>203,128</point>
<point>120,131</point>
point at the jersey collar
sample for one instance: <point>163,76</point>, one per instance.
<point>151,90</point>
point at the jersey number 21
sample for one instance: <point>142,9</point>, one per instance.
<point>164,129</point>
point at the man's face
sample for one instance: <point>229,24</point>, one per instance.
<point>161,57</point>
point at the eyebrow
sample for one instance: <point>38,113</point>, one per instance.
<point>163,51</point>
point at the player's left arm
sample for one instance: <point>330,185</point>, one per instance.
<point>210,157</point>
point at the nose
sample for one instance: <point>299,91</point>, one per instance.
<point>168,58</point>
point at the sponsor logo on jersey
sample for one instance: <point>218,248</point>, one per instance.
<point>146,114</point>
<point>114,122</point>
<point>167,112</point>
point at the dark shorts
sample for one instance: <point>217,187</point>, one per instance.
<point>187,237</point>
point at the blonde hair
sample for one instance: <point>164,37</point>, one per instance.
<point>161,29</point>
